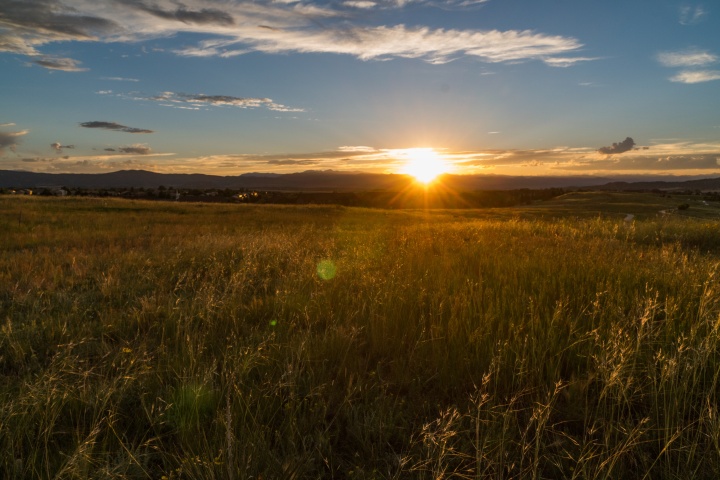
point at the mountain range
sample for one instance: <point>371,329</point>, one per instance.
<point>329,180</point>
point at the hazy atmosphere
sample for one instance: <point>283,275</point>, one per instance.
<point>479,86</point>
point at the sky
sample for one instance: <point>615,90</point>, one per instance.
<point>225,87</point>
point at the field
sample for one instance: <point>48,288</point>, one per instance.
<point>182,341</point>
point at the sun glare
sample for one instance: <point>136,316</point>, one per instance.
<point>424,164</point>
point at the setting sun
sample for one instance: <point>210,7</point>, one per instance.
<point>424,164</point>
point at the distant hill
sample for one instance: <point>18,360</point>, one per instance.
<point>329,180</point>
<point>703,184</point>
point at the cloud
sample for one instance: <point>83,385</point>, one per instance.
<point>109,149</point>
<point>647,163</point>
<point>58,147</point>
<point>294,27</point>
<point>10,140</point>
<point>64,64</point>
<point>621,147</point>
<point>176,99</point>
<point>25,25</point>
<point>136,149</point>
<point>383,42</point>
<point>691,15</point>
<point>565,62</point>
<point>204,16</point>
<point>364,4</point>
<point>687,58</point>
<point>356,148</point>
<point>696,76</point>
<point>120,79</point>
<point>114,126</point>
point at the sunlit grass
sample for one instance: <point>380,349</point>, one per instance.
<point>146,340</point>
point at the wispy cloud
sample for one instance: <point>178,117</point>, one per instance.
<point>64,64</point>
<point>687,58</point>
<point>264,26</point>
<point>120,79</point>
<point>696,76</point>
<point>692,59</point>
<point>114,126</point>
<point>179,99</point>
<point>564,62</point>
<point>385,42</point>
<point>691,15</point>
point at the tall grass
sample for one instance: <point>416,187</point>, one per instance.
<point>149,340</point>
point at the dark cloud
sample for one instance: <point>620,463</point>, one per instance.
<point>58,147</point>
<point>135,150</point>
<point>621,147</point>
<point>205,16</point>
<point>26,24</point>
<point>114,126</point>
<point>64,64</point>
<point>45,15</point>
<point>109,149</point>
<point>10,140</point>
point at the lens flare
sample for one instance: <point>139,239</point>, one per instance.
<point>326,269</point>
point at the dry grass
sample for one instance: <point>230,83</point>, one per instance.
<point>142,340</point>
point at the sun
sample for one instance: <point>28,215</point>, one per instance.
<point>424,164</point>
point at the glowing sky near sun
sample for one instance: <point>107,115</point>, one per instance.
<point>523,87</point>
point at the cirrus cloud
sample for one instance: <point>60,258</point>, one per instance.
<point>264,26</point>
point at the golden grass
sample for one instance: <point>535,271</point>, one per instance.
<point>142,340</point>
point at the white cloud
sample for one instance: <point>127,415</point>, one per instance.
<point>120,79</point>
<point>270,27</point>
<point>692,15</point>
<point>567,61</point>
<point>365,4</point>
<point>433,45</point>
<point>696,76</point>
<point>687,58</point>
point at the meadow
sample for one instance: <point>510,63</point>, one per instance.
<point>195,341</point>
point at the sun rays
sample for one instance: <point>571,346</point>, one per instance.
<point>424,164</point>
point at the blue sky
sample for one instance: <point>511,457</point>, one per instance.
<point>563,87</point>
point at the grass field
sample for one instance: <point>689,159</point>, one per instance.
<point>163,340</point>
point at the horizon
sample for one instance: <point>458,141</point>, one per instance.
<point>485,87</point>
